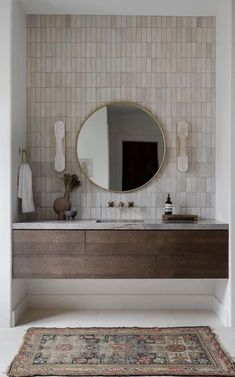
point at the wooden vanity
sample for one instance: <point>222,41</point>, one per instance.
<point>120,253</point>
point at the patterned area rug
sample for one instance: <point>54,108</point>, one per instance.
<point>180,351</point>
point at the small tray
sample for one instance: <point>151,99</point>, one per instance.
<point>180,218</point>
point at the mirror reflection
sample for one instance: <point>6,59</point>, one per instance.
<point>120,147</point>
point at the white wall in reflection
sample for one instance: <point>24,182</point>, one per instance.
<point>93,148</point>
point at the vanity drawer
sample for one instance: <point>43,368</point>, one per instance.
<point>155,267</point>
<point>121,266</point>
<point>193,267</point>
<point>120,242</point>
<point>194,242</point>
<point>48,267</point>
<point>46,242</point>
<point>148,242</point>
<point>156,254</point>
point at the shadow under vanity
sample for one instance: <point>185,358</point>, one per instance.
<point>90,249</point>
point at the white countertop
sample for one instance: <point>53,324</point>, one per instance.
<point>132,224</point>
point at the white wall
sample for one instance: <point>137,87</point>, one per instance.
<point>223,110</point>
<point>12,113</point>
<point>18,120</point>
<point>93,144</point>
<point>120,294</point>
<point>232,172</point>
<point>122,7</point>
<point>223,138</point>
<point>5,163</point>
<point>18,84</point>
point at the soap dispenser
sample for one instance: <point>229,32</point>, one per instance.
<point>168,205</point>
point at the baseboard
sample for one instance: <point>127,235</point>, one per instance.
<point>19,311</point>
<point>118,301</point>
<point>221,311</point>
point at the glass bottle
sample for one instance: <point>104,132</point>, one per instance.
<point>168,205</point>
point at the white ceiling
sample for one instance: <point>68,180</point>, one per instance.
<point>123,7</point>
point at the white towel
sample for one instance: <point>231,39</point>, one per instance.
<point>25,191</point>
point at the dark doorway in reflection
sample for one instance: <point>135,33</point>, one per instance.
<point>139,163</point>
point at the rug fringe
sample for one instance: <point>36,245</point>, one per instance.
<point>7,371</point>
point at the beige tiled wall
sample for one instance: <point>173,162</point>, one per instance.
<point>165,64</point>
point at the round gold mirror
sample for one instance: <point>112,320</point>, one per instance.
<point>121,147</point>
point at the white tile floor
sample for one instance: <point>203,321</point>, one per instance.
<point>10,339</point>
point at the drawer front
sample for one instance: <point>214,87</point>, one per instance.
<point>156,254</point>
<point>48,267</point>
<point>178,242</point>
<point>155,266</point>
<point>46,242</point>
<point>118,266</point>
<point>164,242</point>
<point>118,242</point>
<point>193,267</point>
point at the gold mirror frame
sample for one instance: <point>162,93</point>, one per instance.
<point>157,124</point>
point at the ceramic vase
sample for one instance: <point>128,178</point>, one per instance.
<point>62,204</point>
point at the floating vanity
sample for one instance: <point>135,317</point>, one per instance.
<point>87,249</point>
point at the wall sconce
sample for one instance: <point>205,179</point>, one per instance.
<point>59,132</point>
<point>182,146</point>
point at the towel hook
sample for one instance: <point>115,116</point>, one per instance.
<point>23,153</point>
